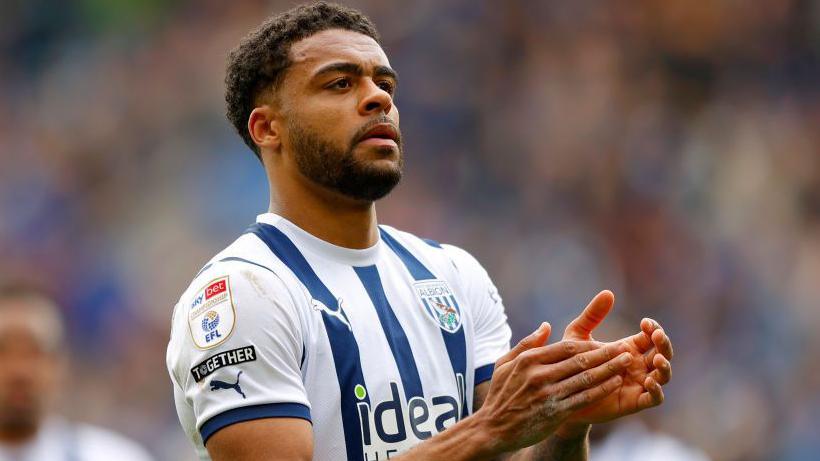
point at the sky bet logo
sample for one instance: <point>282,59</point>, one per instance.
<point>210,291</point>
<point>394,426</point>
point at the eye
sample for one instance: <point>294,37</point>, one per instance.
<point>340,84</point>
<point>387,86</point>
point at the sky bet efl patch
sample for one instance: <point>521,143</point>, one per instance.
<point>211,315</point>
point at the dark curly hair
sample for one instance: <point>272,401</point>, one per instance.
<point>262,57</point>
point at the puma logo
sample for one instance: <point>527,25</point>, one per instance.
<point>217,385</point>
<point>338,314</point>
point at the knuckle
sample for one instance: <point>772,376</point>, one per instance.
<point>612,367</point>
<point>532,381</point>
<point>608,353</point>
<point>525,357</point>
<point>582,361</point>
<point>570,348</point>
<point>586,378</point>
<point>558,392</point>
<point>502,368</point>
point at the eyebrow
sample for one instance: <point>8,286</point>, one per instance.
<point>356,69</point>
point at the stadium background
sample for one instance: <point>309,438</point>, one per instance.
<point>668,150</point>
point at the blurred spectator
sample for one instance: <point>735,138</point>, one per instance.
<point>632,441</point>
<point>33,374</point>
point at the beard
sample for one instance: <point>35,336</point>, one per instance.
<point>338,169</point>
<point>20,421</point>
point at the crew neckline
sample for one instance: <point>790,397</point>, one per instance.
<point>307,241</point>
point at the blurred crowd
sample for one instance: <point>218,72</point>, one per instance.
<point>669,151</point>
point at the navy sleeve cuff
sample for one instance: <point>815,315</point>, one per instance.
<point>483,373</point>
<point>241,414</point>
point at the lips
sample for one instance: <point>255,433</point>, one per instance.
<point>381,131</point>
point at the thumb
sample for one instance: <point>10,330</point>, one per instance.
<point>592,316</point>
<point>536,339</point>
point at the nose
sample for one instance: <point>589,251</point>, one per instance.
<point>375,99</point>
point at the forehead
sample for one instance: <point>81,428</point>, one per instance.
<point>336,45</point>
<point>32,318</point>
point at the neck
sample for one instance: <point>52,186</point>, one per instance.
<point>325,214</point>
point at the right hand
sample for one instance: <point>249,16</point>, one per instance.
<point>535,387</point>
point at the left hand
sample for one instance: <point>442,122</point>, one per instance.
<point>650,368</point>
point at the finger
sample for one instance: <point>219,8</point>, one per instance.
<point>590,396</point>
<point>589,378</point>
<point>641,340</point>
<point>536,339</point>
<point>649,325</point>
<point>556,352</point>
<point>662,343</point>
<point>586,360</point>
<point>653,395</point>
<point>591,316</point>
<point>663,370</point>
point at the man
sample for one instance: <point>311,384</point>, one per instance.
<point>32,365</point>
<point>319,334</point>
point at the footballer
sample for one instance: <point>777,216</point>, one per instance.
<point>320,334</point>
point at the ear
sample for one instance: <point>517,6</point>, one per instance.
<point>264,127</point>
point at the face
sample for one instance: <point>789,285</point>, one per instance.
<point>341,126</point>
<point>29,369</point>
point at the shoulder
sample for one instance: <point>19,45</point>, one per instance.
<point>96,443</point>
<point>243,272</point>
<point>247,254</point>
<point>238,297</point>
<point>451,257</point>
<point>413,249</point>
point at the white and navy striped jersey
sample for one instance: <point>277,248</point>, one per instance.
<point>379,348</point>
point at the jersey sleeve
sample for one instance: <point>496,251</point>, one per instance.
<point>492,332</point>
<point>236,349</point>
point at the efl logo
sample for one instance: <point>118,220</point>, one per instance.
<point>215,288</point>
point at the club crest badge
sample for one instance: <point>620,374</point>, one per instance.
<point>439,302</point>
<point>212,315</point>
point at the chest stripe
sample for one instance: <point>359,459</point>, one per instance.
<point>455,342</point>
<point>396,338</point>
<point>343,344</point>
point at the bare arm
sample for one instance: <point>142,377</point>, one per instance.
<point>271,439</point>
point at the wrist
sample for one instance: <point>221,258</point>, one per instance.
<point>487,443</point>
<point>470,439</point>
<point>572,431</point>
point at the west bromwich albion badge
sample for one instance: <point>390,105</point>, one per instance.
<point>439,303</point>
<point>211,315</point>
